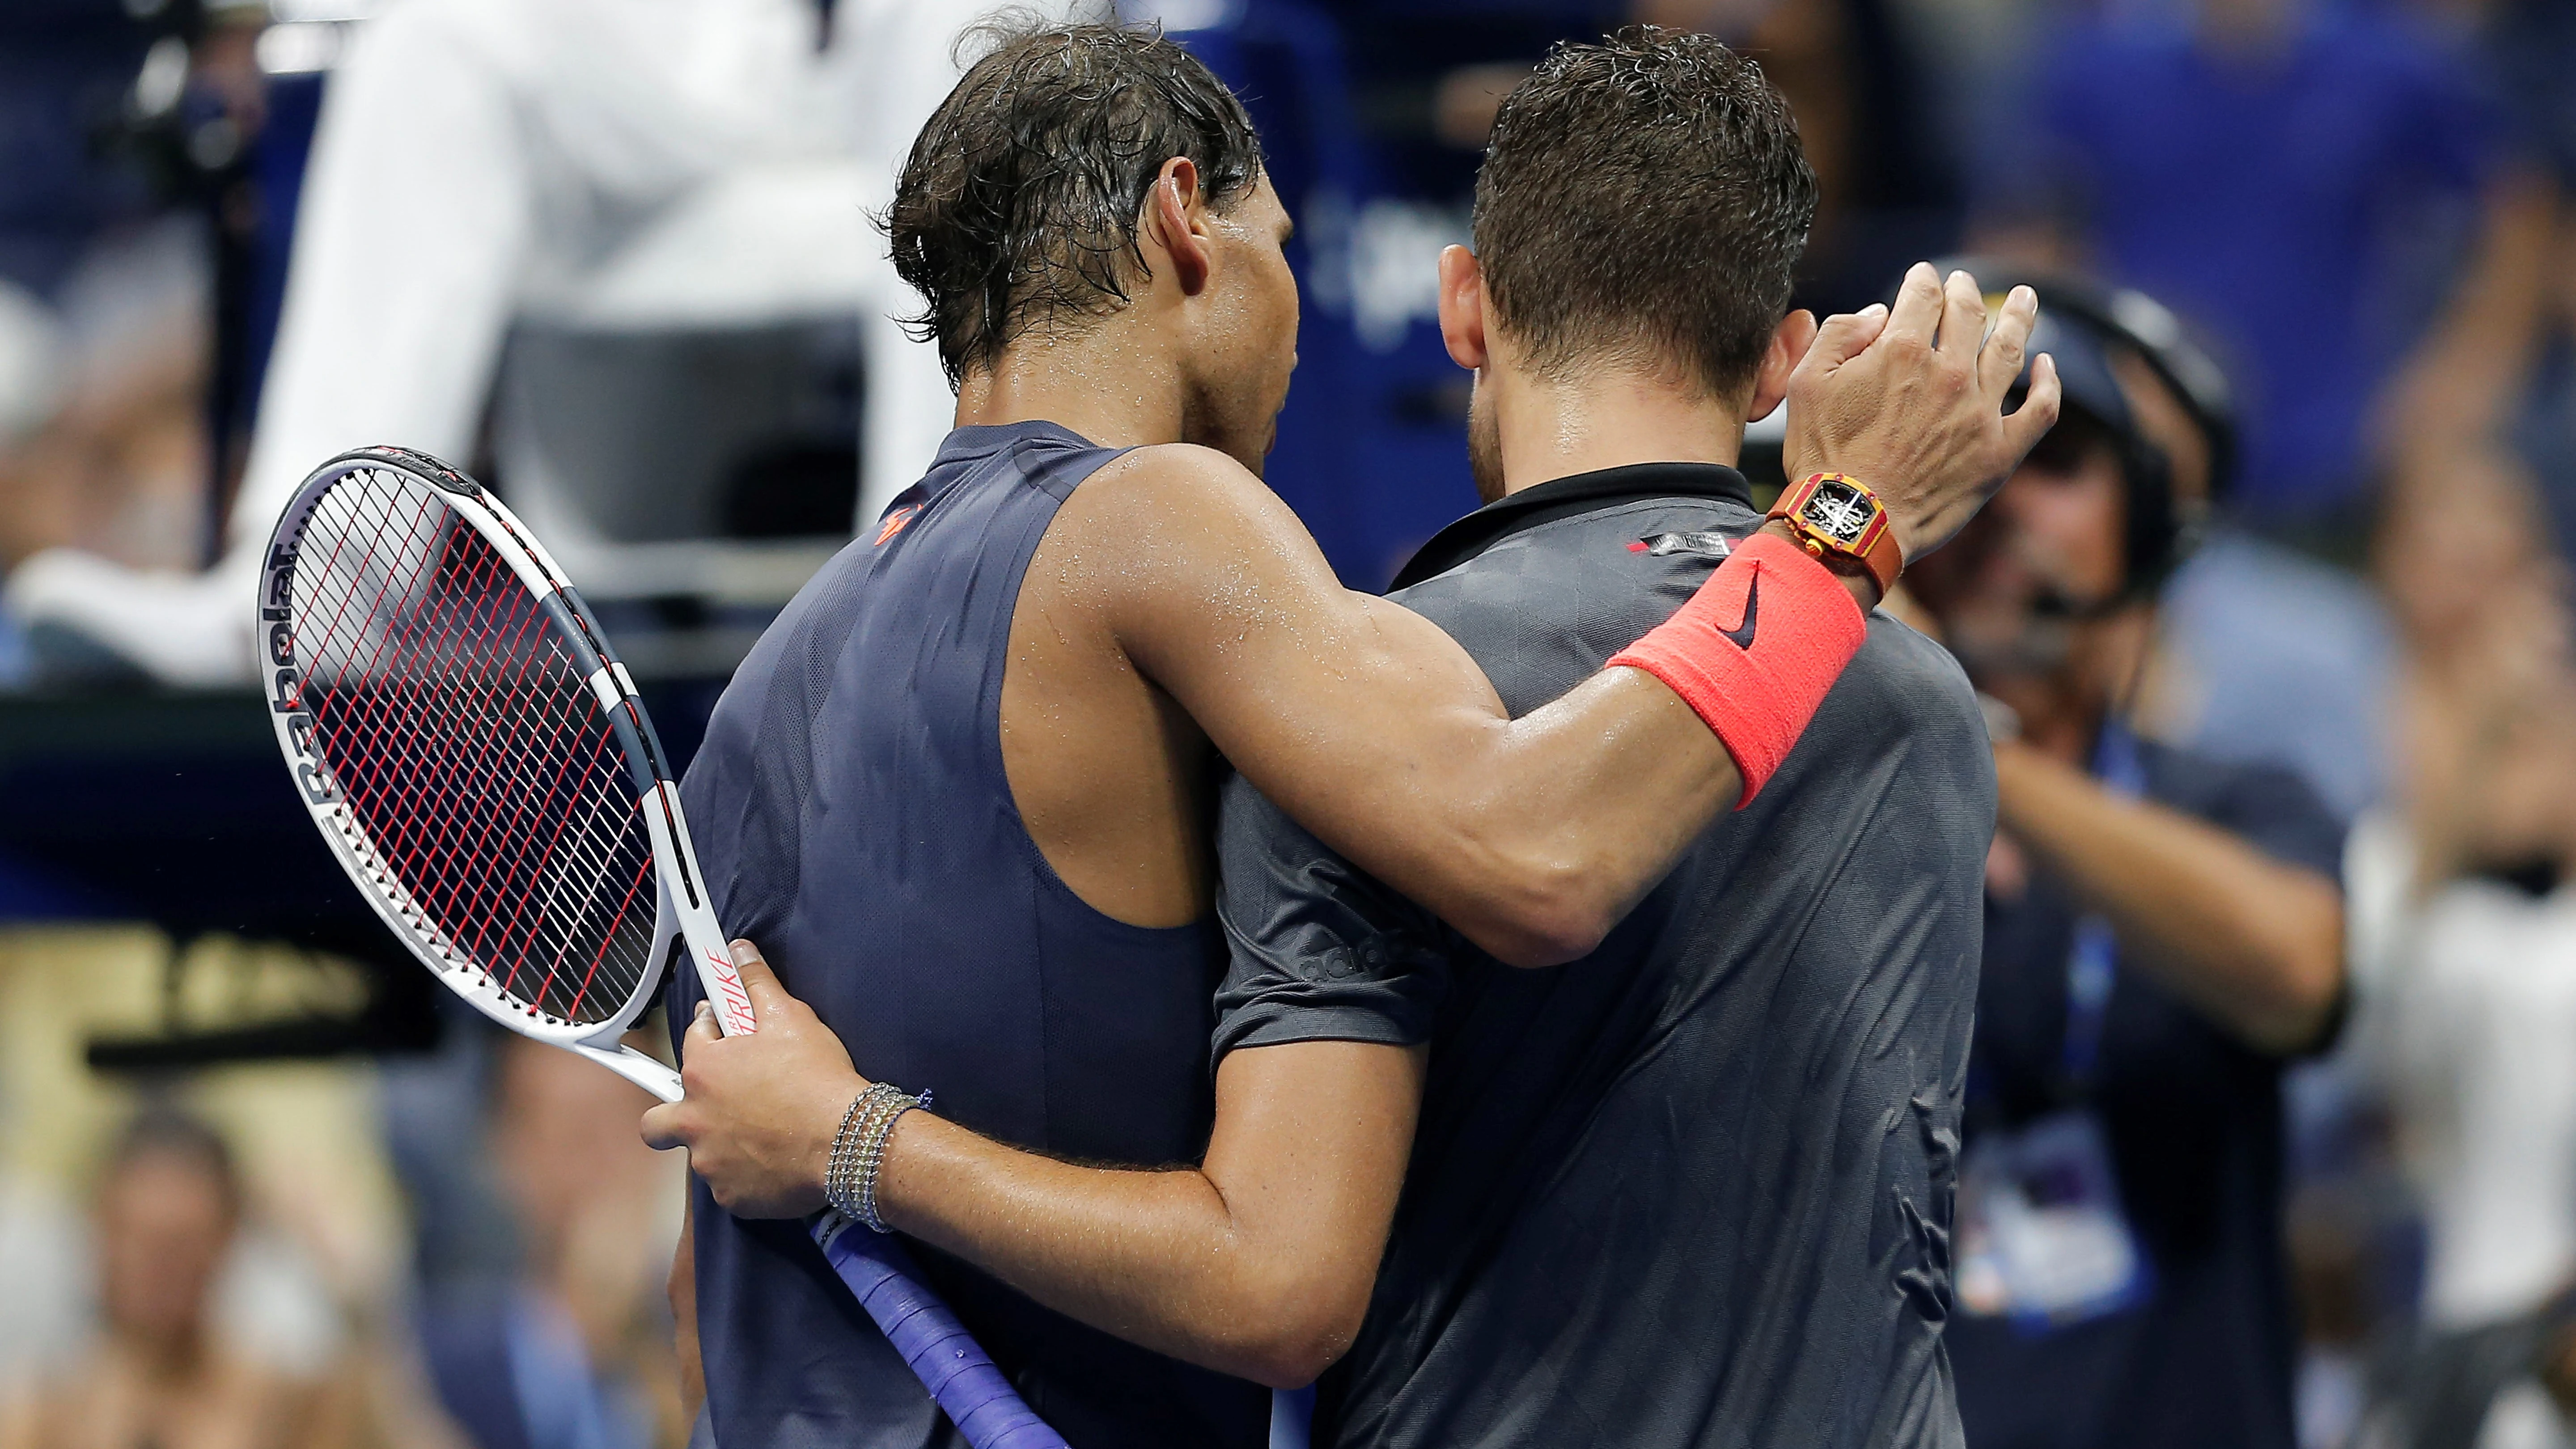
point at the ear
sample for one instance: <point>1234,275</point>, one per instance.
<point>1176,223</point>
<point>1789,343</point>
<point>1462,307</point>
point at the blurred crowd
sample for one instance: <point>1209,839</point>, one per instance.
<point>2295,566</point>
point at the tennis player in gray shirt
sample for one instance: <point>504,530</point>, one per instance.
<point>1695,1189</point>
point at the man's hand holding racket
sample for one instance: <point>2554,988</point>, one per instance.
<point>762,1109</point>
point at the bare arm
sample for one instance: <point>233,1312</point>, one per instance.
<point>2256,944</point>
<point>1256,1263</point>
<point>1373,729</point>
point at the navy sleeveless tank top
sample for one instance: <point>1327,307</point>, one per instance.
<point>853,818</point>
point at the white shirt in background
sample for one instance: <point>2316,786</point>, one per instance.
<point>2468,1024</point>
<point>607,163</point>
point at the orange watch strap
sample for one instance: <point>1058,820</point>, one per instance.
<point>1878,551</point>
<point>1884,559</point>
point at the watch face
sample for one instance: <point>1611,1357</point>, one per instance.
<point>1839,512</point>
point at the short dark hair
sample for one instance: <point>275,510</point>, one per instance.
<point>1020,200</point>
<point>1644,198</point>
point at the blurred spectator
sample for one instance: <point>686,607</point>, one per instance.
<point>2278,659</point>
<point>113,135</point>
<point>2464,911</point>
<point>30,354</point>
<point>42,1253</point>
<point>2325,188</point>
<point>582,161</point>
<point>576,1352</point>
<point>2255,166</point>
<point>2530,46</point>
<point>168,1206</point>
<point>110,452</point>
<point>2163,931</point>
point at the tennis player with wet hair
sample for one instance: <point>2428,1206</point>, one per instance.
<point>960,794</point>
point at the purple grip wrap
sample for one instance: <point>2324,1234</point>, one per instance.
<point>961,1378</point>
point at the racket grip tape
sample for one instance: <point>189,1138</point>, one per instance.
<point>962,1379</point>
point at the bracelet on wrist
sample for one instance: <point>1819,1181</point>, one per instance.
<point>858,1150</point>
<point>836,1172</point>
<point>872,1157</point>
<point>841,1182</point>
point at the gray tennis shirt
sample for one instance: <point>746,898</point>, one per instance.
<point>1696,1188</point>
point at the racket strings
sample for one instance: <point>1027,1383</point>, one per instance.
<point>485,917</point>
<point>470,753</point>
<point>439,861</point>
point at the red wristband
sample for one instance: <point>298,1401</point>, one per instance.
<point>1755,650</point>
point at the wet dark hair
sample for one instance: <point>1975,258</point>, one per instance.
<point>1644,199</point>
<point>163,1130</point>
<point>1020,202</point>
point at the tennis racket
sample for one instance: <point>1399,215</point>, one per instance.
<point>480,764</point>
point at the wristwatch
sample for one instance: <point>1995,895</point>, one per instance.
<point>1837,513</point>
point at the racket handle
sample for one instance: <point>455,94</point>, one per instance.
<point>961,1377</point>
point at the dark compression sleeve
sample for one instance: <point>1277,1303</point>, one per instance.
<point>1316,949</point>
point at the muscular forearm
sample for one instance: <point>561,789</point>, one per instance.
<point>1534,836</point>
<point>2256,944</point>
<point>1154,1257</point>
<point>1257,1263</point>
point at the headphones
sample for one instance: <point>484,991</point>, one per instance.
<point>2163,527</point>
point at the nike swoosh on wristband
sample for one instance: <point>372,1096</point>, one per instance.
<point>1741,636</point>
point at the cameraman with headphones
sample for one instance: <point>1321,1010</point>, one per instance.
<point>2164,932</point>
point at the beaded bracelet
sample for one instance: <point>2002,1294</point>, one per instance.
<point>872,1154</point>
<point>858,1150</point>
<point>836,1173</point>
<point>840,1180</point>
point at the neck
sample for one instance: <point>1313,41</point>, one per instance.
<point>1107,382</point>
<point>1610,418</point>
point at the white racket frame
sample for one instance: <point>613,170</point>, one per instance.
<point>683,909</point>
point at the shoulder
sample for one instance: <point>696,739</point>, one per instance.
<point>1649,554</point>
<point>1900,651</point>
<point>1914,684</point>
<point>1272,863</point>
<point>1173,472</point>
<point>1179,494</point>
<point>1316,949</point>
<point>1900,735</point>
<point>1545,606</point>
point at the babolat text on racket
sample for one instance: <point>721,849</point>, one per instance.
<point>482,767</point>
